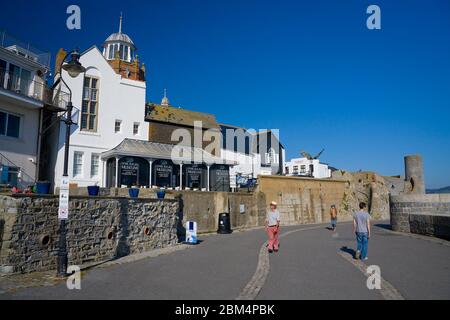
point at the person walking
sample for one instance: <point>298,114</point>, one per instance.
<point>273,227</point>
<point>333,217</point>
<point>361,227</point>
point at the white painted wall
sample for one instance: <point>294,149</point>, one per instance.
<point>247,165</point>
<point>119,98</point>
<point>22,152</point>
<point>320,170</point>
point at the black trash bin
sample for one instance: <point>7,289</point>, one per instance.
<point>224,223</point>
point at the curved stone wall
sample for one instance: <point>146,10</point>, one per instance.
<point>427,214</point>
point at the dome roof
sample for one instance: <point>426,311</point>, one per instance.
<point>120,37</point>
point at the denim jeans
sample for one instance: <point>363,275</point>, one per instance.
<point>333,222</point>
<point>362,238</point>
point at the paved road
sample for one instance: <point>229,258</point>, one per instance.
<point>311,264</point>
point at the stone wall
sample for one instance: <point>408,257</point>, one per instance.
<point>304,200</point>
<point>427,214</point>
<point>203,207</point>
<point>308,200</point>
<point>367,187</point>
<point>98,228</point>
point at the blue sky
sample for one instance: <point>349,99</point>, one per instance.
<point>310,68</point>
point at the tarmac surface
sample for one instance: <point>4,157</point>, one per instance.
<point>312,263</point>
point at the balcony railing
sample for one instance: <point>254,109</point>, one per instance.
<point>24,86</point>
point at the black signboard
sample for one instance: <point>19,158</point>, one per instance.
<point>129,171</point>
<point>195,174</point>
<point>133,171</point>
<point>219,178</point>
<point>163,173</point>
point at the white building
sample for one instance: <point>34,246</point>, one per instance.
<point>252,152</point>
<point>24,99</point>
<point>110,106</point>
<point>307,167</point>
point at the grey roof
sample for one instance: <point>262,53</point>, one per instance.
<point>176,153</point>
<point>119,36</point>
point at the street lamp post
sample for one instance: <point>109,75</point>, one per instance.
<point>73,68</point>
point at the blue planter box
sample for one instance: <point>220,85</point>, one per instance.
<point>133,192</point>
<point>93,190</point>
<point>160,194</point>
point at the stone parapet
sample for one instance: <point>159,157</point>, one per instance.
<point>98,228</point>
<point>427,214</point>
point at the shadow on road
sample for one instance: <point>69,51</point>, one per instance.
<point>383,226</point>
<point>348,250</point>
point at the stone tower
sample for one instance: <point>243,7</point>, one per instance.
<point>414,174</point>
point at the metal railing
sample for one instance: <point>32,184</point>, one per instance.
<point>21,85</point>
<point>38,90</point>
<point>24,49</point>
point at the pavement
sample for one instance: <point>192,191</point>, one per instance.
<point>313,263</point>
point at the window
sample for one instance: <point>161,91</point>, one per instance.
<point>118,126</point>
<point>136,128</point>
<point>295,170</point>
<point>121,51</point>
<point>110,52</point>
<point>287,170</point>
<point>127,56</point>
<point>77,163</point>
<point>2,73</point>
<point>271,156</point>
<point>94,165</point>
<point>89,108</point>
<point>9,125</point>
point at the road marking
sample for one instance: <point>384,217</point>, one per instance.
<point>254,286</point>
<point>388,291</point>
